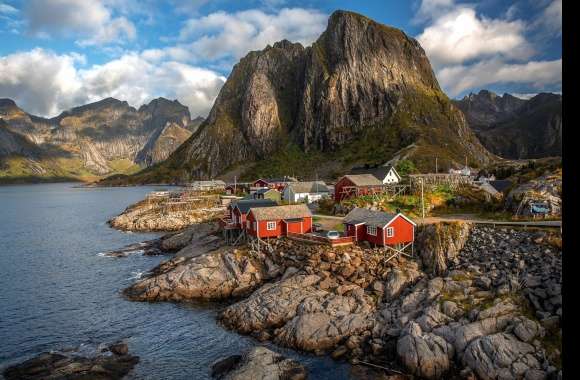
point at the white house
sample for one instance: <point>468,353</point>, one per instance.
<point>308,192</point>
<point>386,174</point>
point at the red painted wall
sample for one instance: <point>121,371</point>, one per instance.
<point>404,232</point>
<point>338,196</point>
<point>281,227</point>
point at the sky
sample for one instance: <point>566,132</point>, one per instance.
<point>57,54</point>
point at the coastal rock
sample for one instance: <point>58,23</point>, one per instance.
<point>438,243</point>
<point>500,356</point>
<point>212,276</point>
<point>397,280</point>
<point>110,363</point>
<point>426,355</point>
<point>259,363</point>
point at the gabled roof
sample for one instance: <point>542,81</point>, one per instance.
<point>372,218</point>
<point>276,180</point>
<point>364,180</point>
<point>501,185</point>
<point>245,205</point>
<point>380,172</point>
<point>308,187</point>
<point>281,212</point>
<point>265,190</point>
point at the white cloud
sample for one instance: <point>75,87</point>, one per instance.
<point>89,21</point>
<point>538,74</point>
<point>551,17</point>
<point>460,35</point>
<point>45,83</point>
<point>431,9</point>
<point>7,9</point>
<point>223,35</point>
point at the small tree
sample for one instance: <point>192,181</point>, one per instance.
<point>405,167</point>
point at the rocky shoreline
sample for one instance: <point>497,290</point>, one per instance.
<point>107,362</point>
<point>477,302</point>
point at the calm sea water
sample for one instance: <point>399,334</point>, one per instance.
<point>56,291</point>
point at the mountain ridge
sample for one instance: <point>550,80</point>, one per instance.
<point>91,140</point>
<point>362,92</point>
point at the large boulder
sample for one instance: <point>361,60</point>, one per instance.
<point>501,356</point>
<point>436,244</point>
<point>397,280</point>
<point>259,363</point>
<point>424,354</point>
<point>212,276</point>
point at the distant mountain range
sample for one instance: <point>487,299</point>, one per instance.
<point>90,141</point>
<point>516,128</point>
<point>362,93</point>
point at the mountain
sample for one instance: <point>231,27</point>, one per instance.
<point>516,128</point>
<point>362,93</point>
<point>105,137</point>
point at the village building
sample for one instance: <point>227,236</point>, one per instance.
<point>356,185</point>
<point>308,192</point>
<point>385,174</point>
<point>238,211</point>
<point>272,183</point>
<point>274,222</point>
<point>465,171</point>
<point>379,228</point>
<point>497,188</point>
<point>267,193</point>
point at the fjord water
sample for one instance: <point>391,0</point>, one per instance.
<point>58,292</point>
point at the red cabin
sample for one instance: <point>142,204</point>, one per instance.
<point>238,211</point>
<point>272,183</point>
<point>356,185</point>
<point>267,222</point>
<point>379,228</point>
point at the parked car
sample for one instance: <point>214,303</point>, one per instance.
<point>332,235</point>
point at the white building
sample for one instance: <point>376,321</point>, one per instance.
<point>386,174</point>
<point>307,192</point>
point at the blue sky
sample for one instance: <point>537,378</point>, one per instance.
<point>56,54</point>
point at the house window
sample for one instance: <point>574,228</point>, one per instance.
<point>372,230</point>
<point>390,232</point>
<point>248,224</point>
<point>271,226</point>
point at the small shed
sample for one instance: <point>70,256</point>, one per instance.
<point>356,185</point>
<point>379,228</point>
<point>274,222</point>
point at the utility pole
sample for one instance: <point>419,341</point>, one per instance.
<point>235,185</point>
<point>436,168</point>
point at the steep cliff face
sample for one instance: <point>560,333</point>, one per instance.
<point>91,140</point>
<point>362,92</point>
<point>513,127</point>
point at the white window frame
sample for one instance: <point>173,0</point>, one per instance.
<point>248,224</point>
<point>271,226</point>
<point>372,230</point>
<point>390,232</point>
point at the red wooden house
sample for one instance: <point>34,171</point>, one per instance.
<point>379,228</point>
<point>268,222</point>
<point>273,183</point>
<point>238,211</point>
<point>356,185</point>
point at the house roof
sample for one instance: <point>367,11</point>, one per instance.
<point>368,217</point>
<point>308,187</point>
<point>245,205</point>
<point>276,180</point>
<point>501,185</point>
<point>265,190</point>
<point>380,172</point>
<point>281,212</point>
<point>364,180</point>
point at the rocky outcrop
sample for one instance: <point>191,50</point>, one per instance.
<point>360,83</point>
<point>516,128</point>
<point>166,215</point>
<point>108,363</point>
<point>438,244</point>
<point>99,134</point>
<point>259,363</point>
<point>546,189</point>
